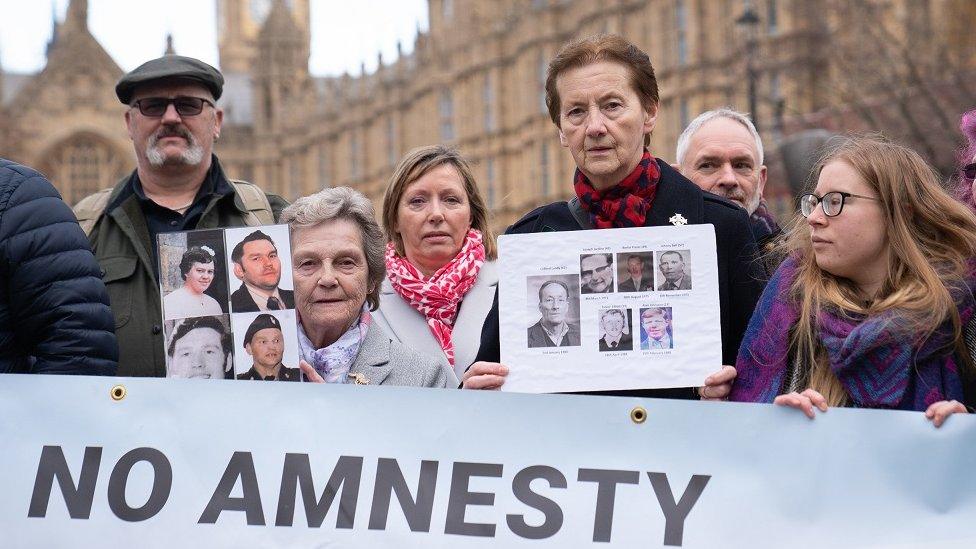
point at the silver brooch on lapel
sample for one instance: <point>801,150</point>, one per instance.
<point>360,379</point>
<point>678,220</point>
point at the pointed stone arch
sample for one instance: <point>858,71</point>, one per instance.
<point>83,163</point>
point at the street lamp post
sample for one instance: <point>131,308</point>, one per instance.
<point>748,22</point>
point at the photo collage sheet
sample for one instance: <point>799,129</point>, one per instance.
<point>229,304</point>
<point>609,309</point>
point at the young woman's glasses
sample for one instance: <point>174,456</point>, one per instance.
<point>832,202</point>
<point>969,171</point>
<point>155,107</point>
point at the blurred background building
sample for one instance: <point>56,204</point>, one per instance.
<point>805,68</point>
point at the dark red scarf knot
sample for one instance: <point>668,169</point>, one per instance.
<point>627,203</point>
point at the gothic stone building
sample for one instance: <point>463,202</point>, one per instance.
<point>475,80</point>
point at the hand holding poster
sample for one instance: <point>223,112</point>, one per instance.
<point>228,308</point>
<point>607,310</point>
<point>149,469</point>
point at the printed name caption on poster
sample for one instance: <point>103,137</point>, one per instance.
<point>417,505</point>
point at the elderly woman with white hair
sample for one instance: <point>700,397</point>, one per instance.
<point>338,264</point>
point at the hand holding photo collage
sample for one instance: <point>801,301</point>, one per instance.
<point>599,317</point>
<point>229,304</point>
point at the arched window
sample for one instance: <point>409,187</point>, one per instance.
<point>445,108</point>
<point>82,165</point>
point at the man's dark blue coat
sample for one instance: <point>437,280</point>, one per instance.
<point>54,310</point>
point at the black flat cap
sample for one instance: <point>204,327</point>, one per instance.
<point>261,322</point>
<point>170,67</point>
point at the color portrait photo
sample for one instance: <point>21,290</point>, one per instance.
<point>260,269</point>
<point>656,328</point>
<point>635,272</point>
<point>266,346</point>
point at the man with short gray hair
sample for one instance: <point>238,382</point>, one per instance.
<point>722,153</point>
<point>178,185</point>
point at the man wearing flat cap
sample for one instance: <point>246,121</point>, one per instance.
<point>178,185</point>
<point>265,343</point>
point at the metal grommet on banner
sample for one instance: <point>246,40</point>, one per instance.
<point>118,392</point>
<point>638,415</point>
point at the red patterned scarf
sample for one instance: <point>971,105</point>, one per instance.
<point>437,297</point>
<point>627,203</point>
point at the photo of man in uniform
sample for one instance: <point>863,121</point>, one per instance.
<point>257,266</point>
<point>636,280</point>
<point>616,332</point>
<point>596,274</point>
<point>672,266</point>
<point>265,343</point>
<point>552,330</point>
<point>200,349</point>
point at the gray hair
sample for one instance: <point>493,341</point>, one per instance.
<point>708,116</point>
<point>345,203</point>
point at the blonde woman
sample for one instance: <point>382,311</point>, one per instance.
<point>868,309</point>
<point>440,257</point>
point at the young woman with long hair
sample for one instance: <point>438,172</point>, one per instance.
<point>869,307</point>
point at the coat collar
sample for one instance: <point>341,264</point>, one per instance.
<point>373,360</point>
<point>215,184</point>
<point>406,322</point>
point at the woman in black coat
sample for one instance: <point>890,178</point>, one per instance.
<point>602,96</point>
<point>54,310</point>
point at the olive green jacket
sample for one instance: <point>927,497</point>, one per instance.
<point>120,240</point>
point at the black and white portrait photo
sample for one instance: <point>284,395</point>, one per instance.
<point>675,268</point>
<point>554,300</point>
<point>193,274</point>
<point>615,330</point>
<point>596,273</point>
<point>635,272</point>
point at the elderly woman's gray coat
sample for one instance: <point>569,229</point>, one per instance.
<point>382,361</point>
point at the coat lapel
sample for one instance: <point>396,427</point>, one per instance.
<point>372,364</point>
<point>466,334</point>
<point>408,327</point>
<point>675,195</point>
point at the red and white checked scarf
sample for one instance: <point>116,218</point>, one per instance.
<point>438,297</point>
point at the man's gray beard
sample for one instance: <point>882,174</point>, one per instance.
<point>192,156</point>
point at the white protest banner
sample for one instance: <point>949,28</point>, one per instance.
<point>609,309</point>
<point>182,463</point>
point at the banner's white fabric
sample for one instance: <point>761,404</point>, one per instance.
<point>180,463</point>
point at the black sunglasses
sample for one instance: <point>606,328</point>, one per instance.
<point>185,105</point>
<point>969,171</point>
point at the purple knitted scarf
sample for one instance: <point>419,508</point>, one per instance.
<point>764,218</point>
<point>877,361</point>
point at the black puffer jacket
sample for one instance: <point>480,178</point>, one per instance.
<point>54,310</point>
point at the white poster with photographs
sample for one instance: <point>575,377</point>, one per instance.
<point>228,304</point>
<point>610,309</point>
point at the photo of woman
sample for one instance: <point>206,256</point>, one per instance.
<point>197,272</point>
